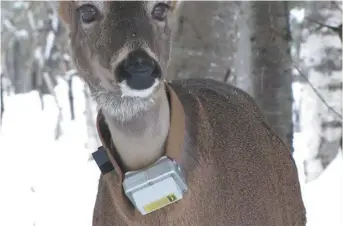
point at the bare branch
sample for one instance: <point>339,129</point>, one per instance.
<point>317,92</point>
<point>227,75</point>
<point>336,4</point>
<point>337,30</point>
<point>310,84</point>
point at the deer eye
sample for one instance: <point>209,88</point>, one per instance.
<point>88,13</point>
<point>160,11</point>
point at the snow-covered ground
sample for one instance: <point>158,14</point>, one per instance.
<point>323,197</point>
<point>46,182</point>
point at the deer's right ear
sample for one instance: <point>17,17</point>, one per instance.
<point>64,11</point>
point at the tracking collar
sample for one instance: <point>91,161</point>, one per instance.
<point>107,159</point>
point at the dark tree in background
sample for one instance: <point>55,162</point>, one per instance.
<point>243,43</point>
<point>271,64</point>
<point>205,40</point>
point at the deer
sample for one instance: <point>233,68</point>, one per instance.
<point>236,169</point>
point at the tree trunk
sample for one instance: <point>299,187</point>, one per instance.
<point>271,65</point>
<point>204,44</point>
<point>243,78</point>
<point>71,97</point>
<point>321,56</point>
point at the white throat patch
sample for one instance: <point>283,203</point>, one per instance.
<point>129,92</point>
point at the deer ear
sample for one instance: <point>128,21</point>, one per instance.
<point>64,11</point>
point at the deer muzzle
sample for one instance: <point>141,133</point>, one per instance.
<point>139,70</point>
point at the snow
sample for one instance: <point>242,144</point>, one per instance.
<point>297,14</point>
<point>20,4</point>
<point>38,56</point>
<point>8,24</point>
<point>323,197</point>
<point>31,20</point>
<point>54,21</point>
<point>49,44</point>
<point>46,182</point>
<point>22,33</point>
<point>70,73</point>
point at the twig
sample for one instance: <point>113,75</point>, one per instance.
<point>337,30</point>
<point>317,92</point>
<point>310,84</point>
<point>227,75</point>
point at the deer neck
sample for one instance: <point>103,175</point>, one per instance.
<point>140,141</point>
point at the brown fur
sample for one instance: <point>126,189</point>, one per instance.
<point>238,170</point>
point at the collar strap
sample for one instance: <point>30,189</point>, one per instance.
<point>101,158</point>
<point>105,156</point>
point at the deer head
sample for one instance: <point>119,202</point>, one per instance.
<point>121,50</point>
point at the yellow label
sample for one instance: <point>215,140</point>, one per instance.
<point>158,204</point>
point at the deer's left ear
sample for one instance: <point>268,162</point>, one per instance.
<point>64,11</point>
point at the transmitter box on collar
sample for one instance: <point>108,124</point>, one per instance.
<point>155,187</point>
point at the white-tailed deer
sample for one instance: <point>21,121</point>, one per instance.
<point>236,169</point>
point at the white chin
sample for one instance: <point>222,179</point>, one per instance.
<point>143,93</point>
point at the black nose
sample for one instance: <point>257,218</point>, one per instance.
<point>139,63</point>
<point>139,70</point>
